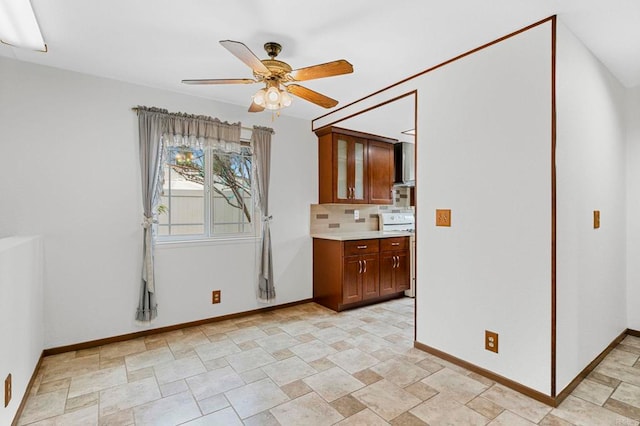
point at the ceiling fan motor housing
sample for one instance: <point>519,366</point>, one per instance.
<point>273,49</point>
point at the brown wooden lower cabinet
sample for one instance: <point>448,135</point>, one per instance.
<point>347,274</point>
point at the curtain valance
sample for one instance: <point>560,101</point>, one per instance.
<point>198,131</point>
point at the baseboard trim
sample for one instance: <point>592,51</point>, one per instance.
<point>634,333</point>
<point>589,368</point>
<point>27,391</point>
<point>135,335</point>
<point>532,393</point>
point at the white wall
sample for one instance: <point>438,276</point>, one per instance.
<point>590,158</point>
<point>483,150</point>
<point>71,173</point>
<point>633,208</point>
<point>21,316</point>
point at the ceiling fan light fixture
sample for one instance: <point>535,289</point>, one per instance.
<point>285,99</point>
<point>260,97</point>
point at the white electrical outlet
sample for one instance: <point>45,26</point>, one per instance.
<point>356,214</point>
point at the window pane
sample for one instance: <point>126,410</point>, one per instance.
<point>181,210</point>
<point>231,192</point>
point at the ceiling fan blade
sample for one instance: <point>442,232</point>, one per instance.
<point>329,69</point>
<point>311,96</point>
<point>254,107</point>
<point>242,52</point>
<point>220,81</point>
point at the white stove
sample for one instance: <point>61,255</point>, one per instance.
<point>397,222</point>
<point>394,222</point>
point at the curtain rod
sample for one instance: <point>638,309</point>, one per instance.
<point>242,127</point>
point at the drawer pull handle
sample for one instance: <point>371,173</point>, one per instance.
<point>395,244</point>
<point>362,247</point>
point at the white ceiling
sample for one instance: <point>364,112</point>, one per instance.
<point>157,43</point>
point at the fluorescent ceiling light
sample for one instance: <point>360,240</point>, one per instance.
<point>18,25</point>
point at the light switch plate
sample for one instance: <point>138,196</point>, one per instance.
<point>596,219</point>
<point>443,217</point>
<point>356,214</point>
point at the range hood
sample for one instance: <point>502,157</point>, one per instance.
<point>404,156</point>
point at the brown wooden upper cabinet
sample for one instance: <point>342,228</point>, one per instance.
<point>354,167</point>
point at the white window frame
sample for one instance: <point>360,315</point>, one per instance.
<point>207,235</point>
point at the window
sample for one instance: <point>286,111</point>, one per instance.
<point>206,193</point>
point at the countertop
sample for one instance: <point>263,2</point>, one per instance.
<point>361,235</point>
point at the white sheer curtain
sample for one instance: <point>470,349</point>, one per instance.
<point>157,129</point>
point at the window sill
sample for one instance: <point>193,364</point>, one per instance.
<point>171,244</point>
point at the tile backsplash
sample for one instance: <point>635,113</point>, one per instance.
<point>327,218</point>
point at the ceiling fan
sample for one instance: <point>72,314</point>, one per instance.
<point>279,78</point>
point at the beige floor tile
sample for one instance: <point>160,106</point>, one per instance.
<point>296,389</point>
<point>179,369</point>
<point>365,417</point>
<point>421,391</point>
<point>507,418</point>
<point>442,410</point>
<point>148,358</point>
<point>580,412</point>
<point>623,409</point>
<point>518,403</point>
<point>297,328</point>
<point>551,420</point>
<point>214,403</point>
<point>43,406</point>
<point>261,419</point>
<point>245,334</point>
<point>407,419</point>
<point>485,407</point>
<point>347,406</point>
<point>618,371</point>
<point>173,388</point>
<point>213,382</point>
<point>622,357</point>
<point>386,399</point>
<point>143,373</point>
<point>331,335</point>
<point>82,401</point>
<point>288,370</point>
<point>593,392</point>
<point>97,381</point>
<point>380,329</point>
<point>248,360</point>
<point>255,397</point>
<point>55,385</point>
<point>63,368</point>
<point>310,407</point>
<point>170,411</point>
<point>353,360</point>
<point>217,349</point>
<point>253,375</point>
<point>277,342</point>
<point>121,418</point>
<point>399,372</point>
<point>128,395</point>
<point>312,350</point>
<point>226,417</point>
<point>87,416</point>
<point>460,387</point>
<point>333,384</point>
<point>628,393</point>
<point>128,347</point>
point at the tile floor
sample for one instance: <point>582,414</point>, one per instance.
<point>307,365</point>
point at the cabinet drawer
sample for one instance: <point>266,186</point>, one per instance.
<point>352,248</point>
<point>395,243</point>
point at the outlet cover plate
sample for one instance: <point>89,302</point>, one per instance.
<point>215,296</point>
<point>443,217</point>
<point>491,341</point>
<point>7,390</point>
<point>596,219</point>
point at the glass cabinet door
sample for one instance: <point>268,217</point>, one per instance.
<point>342,179</point>
<point>358,182</point>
